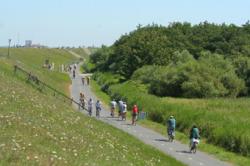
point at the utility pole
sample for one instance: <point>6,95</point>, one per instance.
<point>9,48</point>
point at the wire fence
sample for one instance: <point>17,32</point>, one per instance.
<point>42,86</point>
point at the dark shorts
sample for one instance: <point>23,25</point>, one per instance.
<point>134,114</point>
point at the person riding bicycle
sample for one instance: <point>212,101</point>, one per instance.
<point>98,108</point>
<point>90,106</point>
<point>112,105</point>
<point>194,135</point>
<point>134,114</point>
<point>74,73</point>
<point>171,123</point>
<point>83,80</point>
<point>82,100</point>
<point>124,111</point>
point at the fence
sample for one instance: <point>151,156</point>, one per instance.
<point>42,85</point>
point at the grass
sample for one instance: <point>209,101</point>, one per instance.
<point>38,129</point>
<point>212,105</point>
<point>209,115</point>
<point>32,60</point>
<point>80,51</point>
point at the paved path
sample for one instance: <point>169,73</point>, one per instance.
<point>175,149</point>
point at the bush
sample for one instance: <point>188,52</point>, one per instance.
<point>209,76</point>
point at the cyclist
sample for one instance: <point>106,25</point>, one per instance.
<point>194,137</point>
<point>74,73</point>
<point>83,80</point>
<point>82,100</point>
<point>120,108</point>
<point>134,114</point>
<point>113,105</point>
<point>171,123</point>
<point>124,111</point>
<point>98,108</point>
<point>90,105</point>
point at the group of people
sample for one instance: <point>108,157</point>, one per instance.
<point>98,107</point>
<point>194,135</point>
<point>87,79</point>
<point>90,103</point>
<point>73,70</point>
<point>122,110</point>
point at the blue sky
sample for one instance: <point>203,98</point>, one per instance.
<point>96,22</point>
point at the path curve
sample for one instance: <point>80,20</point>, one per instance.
<point>176,149</point>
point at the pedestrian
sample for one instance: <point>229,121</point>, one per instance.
<point>134,114</point>
<point>98,108</point>
<point>90,106</point>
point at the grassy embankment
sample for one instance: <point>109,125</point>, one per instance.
<point>33,59</point>
<point>38,129</point>
<point>222,116</point>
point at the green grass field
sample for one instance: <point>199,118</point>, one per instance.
<point>38,129</point>
<point>32,60</point>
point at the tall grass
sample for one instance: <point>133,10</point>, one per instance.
<point>224,122</point>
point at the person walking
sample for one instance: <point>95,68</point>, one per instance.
<point>98,108</point>
<point>134,114</point>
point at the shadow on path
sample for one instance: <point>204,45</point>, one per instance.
<point>184,151</point>
<point>162,140</point>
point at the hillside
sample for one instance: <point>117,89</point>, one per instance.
<point>38,129</point>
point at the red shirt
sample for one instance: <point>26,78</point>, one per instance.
<point>135,109</point>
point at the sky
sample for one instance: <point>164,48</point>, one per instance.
<point>96,22</point>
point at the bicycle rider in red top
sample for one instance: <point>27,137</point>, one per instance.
<point>134,114</point>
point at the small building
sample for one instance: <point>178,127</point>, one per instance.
<point>28,43</point>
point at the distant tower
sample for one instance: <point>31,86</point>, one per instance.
<point>28,43</point>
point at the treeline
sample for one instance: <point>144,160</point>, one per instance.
<point>181,60</point>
